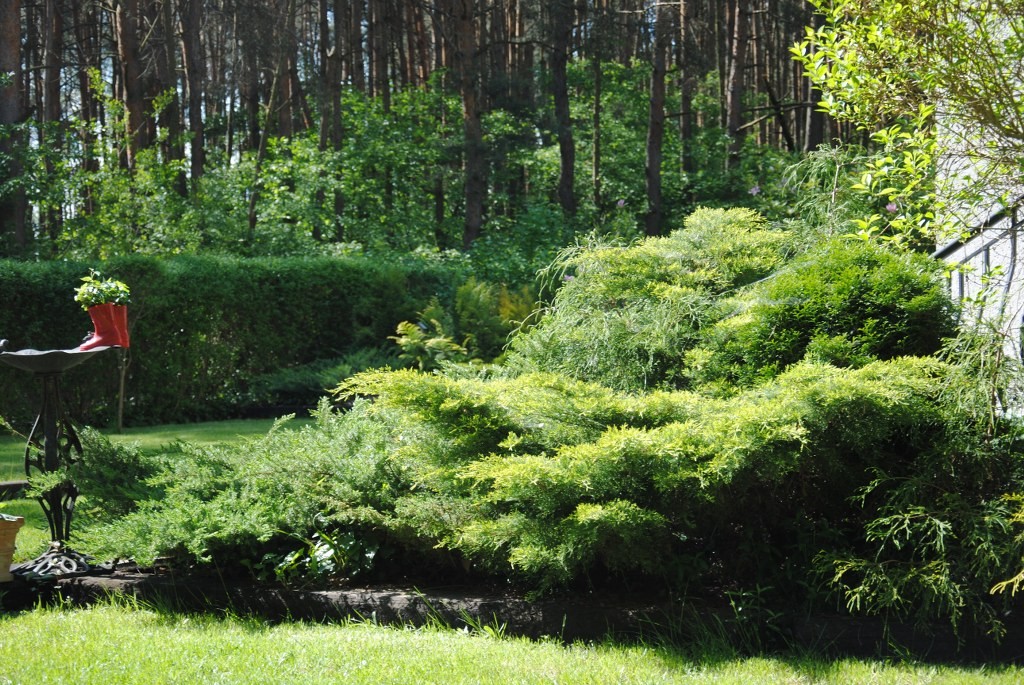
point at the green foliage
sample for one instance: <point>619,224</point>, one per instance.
<point>940,536</point>
<point>98,290</point>
<point>322,558</point>
<point>818,191</point>
<point>488,314</point>
<point>843,303</point>
<point>933,82</point>
<point>711,180</point>
<point>511,251</point>
<point>243,503</point>
<point>823,443</point>
<point>684,479</point>
<point>426,346</point>
<point>483,317</point>
<point>625,316</point>
<point>113,478</point>
<point>555,478</point>
<point>299,388</point>
<point>393,181</point>
<point>378,190</point>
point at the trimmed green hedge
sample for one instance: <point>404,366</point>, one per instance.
<point>203,328</point>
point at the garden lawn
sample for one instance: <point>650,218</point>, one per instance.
<point>150,439</point>
<point>120,643</point>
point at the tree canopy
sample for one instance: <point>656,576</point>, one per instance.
<point>262,127</point>
<point>939,84</point>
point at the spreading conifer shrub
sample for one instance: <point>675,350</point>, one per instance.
<point>549,481</point>
<point>626,316</point>
<point>854,468</point>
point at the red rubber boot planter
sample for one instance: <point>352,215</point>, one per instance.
<point>110,322</point>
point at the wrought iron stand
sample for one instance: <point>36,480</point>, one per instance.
<point>53,445</point>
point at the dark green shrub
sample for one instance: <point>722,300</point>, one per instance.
<point>113,479</point>
<point>203,329</point>
<point>548,481</point>
<point>726,481</point>
<point>844,303</point>
<point>940,536</point>
<point>511,251</point>
<point>298,389</point>
<point>822,449</point>
<point>266,496</point>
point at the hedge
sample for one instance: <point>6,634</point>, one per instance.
<point>203,328</point>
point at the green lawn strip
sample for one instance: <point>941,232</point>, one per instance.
<point>150,439</point>
<point>156,438</point>
<point>116,643</point>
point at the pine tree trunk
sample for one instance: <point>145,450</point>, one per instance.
<point>192,51</point>
<point>126,16</point>
<point>562,17</point>
<point>737,64</point>
<point>12,206</point>
<point>656,127</point>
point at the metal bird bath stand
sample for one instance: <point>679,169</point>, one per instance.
<point>52,444</point>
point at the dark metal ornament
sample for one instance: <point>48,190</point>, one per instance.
<point>53,446</point>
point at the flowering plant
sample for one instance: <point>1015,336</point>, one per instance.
<point>96,289</point>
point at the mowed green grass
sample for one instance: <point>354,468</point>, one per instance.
<point>114,643</point>
<point>150,439</point>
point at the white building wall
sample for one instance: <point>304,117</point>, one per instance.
<point>989,279</point>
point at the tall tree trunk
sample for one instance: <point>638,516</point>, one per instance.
<point>595,159</point>
<point>688,79</point>
<point>286,114</point>
<point>602,33</point>
<point>126,30</point>
<point>249,93</point>
<point>379,41</point>
<point>87,36</point>
<point>814,118</point>
<point>419,47</point>
<point>656,125</point>
<point>737,64</point>
<point>562,15</point>
<point>166,85</point>
<point>13,205</point>
<point>526,92</point>
<point>53,46</point>
<point>336,133</point>
<point>234,91</point>
<point>357,57</point>
<point>330,103</point>
<point>53,134</point>
<point>192,56</point>
<point>438,191</point>
<point>465,59</point>
<point>276,92</point>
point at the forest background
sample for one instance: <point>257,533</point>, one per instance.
<point>282,127</point>
<point>417,150</point>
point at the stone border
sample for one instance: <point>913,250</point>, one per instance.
<point>563,619</point>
